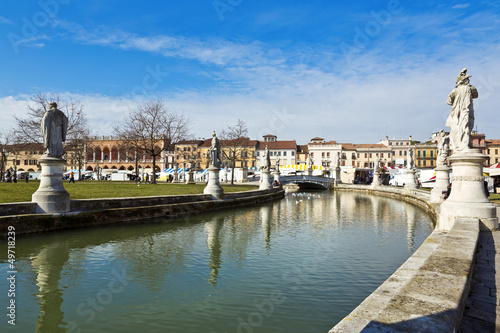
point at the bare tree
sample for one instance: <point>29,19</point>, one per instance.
<point>235,144</point>
<point>151,129</point>
<point>27,130</point>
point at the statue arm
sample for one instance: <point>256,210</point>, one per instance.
<point>474,92</point>
<point>451,98</point>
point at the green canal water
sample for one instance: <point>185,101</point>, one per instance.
<point>297,265</point>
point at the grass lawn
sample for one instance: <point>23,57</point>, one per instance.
<point>495,198</point>
<point>22,191</point>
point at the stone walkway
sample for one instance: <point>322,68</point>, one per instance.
<point>482,311</point>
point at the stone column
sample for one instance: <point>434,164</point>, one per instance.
<point>410,183</point>
<point>376,179</point>
<point>265,182</point>
<point>338,180</point>
<point>441,185</point>
<point>468,197</point>
<point>51,196</point>
<point>213,186</point>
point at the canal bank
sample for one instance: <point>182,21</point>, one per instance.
<point>100,212</point>
<point>429,292</point>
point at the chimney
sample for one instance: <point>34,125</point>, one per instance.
<point>411,138</point>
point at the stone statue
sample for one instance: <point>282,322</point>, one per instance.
<point>461,118</point>
<point>376,164</point>
<point>336,160</point>
<point>310,162</point>
<point>267,159</point>
<point>278,164</point>
<point>215,151</point>
<point>410,164</point>
<point>443,145</point>
<point>54,129</point>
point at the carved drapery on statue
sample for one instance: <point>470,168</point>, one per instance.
<point>215,151</point>
<point>410,163</point>
<point>461,118</point>
<point>54,128</point>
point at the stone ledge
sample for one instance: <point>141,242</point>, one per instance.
<point>36,223</point>
<point>422,293</point>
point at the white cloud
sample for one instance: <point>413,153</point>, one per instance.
<point>461,6</point>
<point>4,20</point>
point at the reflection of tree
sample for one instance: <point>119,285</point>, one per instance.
<point>49,264</point>
<point>152,256</point>
<point>214,244</point>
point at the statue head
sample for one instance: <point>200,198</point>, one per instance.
<point>53,105</point>
<point>213,134</point>
<point>462,77</point>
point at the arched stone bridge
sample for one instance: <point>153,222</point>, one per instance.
<point>304,181</point>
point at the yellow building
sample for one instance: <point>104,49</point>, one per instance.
<point>425,155</point>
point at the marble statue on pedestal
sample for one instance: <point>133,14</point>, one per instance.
<point>267,160</point>
<point>277,167</point>
<point>443,146</point>
<point>215,151</point>
<point>336,160</point>
<point>410,164</point>
<point>54,128</point>
<point>461,118</point>
<point>376,164</point>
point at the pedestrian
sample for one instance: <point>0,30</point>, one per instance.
<point>26,178</point>
<point>71,177</point>
<point>486,191</point>
<point>448,192</point>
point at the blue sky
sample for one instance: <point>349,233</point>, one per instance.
<point>345,71</point>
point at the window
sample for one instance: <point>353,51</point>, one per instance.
<point>327,154</point>
<point>432,153</point>
<point>418,153</point>
<point>425,154</point>
<point>400,153</point>
<point>358,155</point>
<point>366,155</point>
<point>382,155</point>
<point>312,154</point>
<point>425,163</point>
<point>397,143</point>
<point>366,165</point>
<point>322,154</point>
<point>496,151</point>
<point>293,153</point>
<point>370,157</point>
<point>284,153</point>
<point>258,153</point>
<point>25,162</point>
<point>432,163</point>
<point>279,153</point>
<point>406,153</point>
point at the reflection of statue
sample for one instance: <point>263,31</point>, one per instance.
<point>461,118</point>
<point>267,160</point>
<point>54,129</point>
<point>215,150</point>
<point>443,148</point>
<point>409,160</point>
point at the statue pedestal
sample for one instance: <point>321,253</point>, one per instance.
<point>376,180</point>
<point>213,186</point>
<point>410,183</point>
<point>276,175</point>
<point>265,182</point>
<point>176,177</point>
<point>468,197</point>
<point>337,176</point>
<point>190,177</point>
<point>441,185</point>
<point>51,196</point>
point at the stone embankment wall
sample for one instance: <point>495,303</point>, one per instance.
<point>97,212</point>
<point>429,291</point>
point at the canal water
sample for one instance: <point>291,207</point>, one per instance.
<point>297,265</point>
